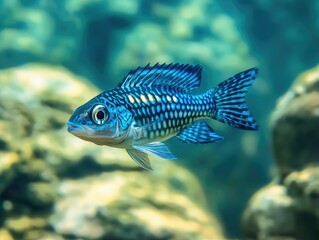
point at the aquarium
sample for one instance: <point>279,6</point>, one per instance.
<point>249,170</point>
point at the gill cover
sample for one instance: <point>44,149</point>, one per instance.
<point>124,118</point>
<point>117,127</point>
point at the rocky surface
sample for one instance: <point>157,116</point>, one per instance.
<point>55,186</point>
<point>294,123</point>
<point>269,214</point>
<point>289,207</point>
<point>288,211</point>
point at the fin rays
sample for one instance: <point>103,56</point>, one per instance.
<point>140,153</point>
<point>157,149</point>
<point>178,77</point>
<point>198,133</point>
<point>140,158</point>
<point>229,97</point>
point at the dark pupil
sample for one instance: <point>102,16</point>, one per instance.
<point>100,115</point>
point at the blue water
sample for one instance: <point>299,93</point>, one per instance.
<point>102,40</point>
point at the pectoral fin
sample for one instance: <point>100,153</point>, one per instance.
<point>199,133</point>
<point>140,158</point>
<point>139,153</point>
<point>156,149</point>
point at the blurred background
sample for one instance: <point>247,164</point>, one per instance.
<point>101,40</point>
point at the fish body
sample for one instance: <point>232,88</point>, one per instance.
<point>154,103</point>
<point>159,114</point>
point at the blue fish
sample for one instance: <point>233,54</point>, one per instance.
<point>153,104</point>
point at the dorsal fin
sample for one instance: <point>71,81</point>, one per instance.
<point>178,77</point>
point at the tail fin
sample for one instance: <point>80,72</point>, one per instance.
<point>229,100</point>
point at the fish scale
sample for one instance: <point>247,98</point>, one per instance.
<point>153,103</point>
<point>145,111</point>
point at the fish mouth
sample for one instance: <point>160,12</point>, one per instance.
<point>88,134</point>
<point>76,129</point>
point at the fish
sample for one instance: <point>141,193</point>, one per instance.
<point>154,103</point>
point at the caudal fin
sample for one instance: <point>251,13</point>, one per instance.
<point>229,100</point>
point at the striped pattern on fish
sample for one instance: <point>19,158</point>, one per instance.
<point>154,103</point>
<point>164,112</point>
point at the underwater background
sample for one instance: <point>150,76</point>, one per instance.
<point>56,55</point>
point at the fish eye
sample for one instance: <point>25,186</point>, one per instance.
<point>99,114</point>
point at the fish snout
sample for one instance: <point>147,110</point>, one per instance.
<point>74,127</point>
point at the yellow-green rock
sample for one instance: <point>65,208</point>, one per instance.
<point>289,207</point>
<point>294,124</point>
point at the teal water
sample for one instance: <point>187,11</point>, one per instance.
<point>102,40</point>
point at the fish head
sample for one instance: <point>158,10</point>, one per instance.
<point>100,123</point>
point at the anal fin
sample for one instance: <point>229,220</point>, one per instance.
<point>198,133</point>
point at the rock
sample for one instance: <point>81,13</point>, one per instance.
<point>269,214</point>
<point>294,123</point>
<point>8,161</point>
<point>5,235</point>
<point>303,186</point>
<point>121,202</point>
<point>20,224</point>
<point>56,186</point>
<point>289,207</point>
<point>288,211</point>
<point>40,194</point>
